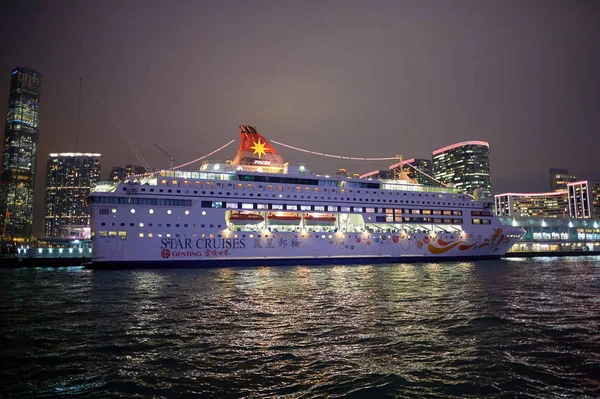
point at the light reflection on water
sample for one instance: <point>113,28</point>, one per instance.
<point>476,329</point>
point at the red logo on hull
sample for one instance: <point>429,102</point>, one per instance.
<point>165,253</point>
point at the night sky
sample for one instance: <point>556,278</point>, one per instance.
<point>365,79</point>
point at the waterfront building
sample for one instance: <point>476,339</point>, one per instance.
<point>117,173</point>
<point>465,166</point>
<point>417,170</point>
<point>559,178</point>
<point>69,178</point>
<point>549,205</point>
<point>21,131</point>
<point>133,170</point>
<point>584,199</point>
<point>566,235</point>
<point>408,170</point>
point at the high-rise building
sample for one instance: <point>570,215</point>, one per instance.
<point>69,178</point>
<point>117,173</point>
<point>19,154</point>
<point>550,205</point>
<point>133,170</point>
<point>584,199</point>
<point>465,165</point>
<point>417,169</point>
<point>559,178</point>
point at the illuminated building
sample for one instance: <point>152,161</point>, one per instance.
<point>551,205</point>
<point>422,165</point>
<point>19,154</point>
<point>133,170</point>
<point>465,165</point>
<point>69,178</point>
<point>117,173</point>
<point>584,199</point>
<point>559,178</point>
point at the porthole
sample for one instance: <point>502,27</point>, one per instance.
<point>132,210</point>
<point>169,212</point>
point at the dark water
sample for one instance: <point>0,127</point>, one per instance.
<point>512,328</point>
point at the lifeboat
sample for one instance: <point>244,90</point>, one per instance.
<point>319,220</point>
<point>283,219</point>
<point>242,219</point>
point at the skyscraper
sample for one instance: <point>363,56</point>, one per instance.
<point>559,178</point>
<point>117,173</point>
<point>465,165</point>
<point>19,154</point>
<point>423,165</point>
<point>69,178</point>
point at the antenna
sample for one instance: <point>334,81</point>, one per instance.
<point>125,137</point>
<point>78,114</point>
<point>167,154</point>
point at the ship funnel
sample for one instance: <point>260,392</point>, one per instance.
<point>255,150</point>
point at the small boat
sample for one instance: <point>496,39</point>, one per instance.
<point>242,219</point>
<point>286,219</point>
<point>319,220</point>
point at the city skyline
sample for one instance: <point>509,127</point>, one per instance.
<point>339,78</point>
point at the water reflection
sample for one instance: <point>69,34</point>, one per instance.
<point>486,329</point>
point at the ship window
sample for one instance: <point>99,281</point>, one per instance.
<point>202,225</point>
<point>102,224</point>
<point>169,190</point>
<point>141,235</point>
<point>141,224</point>
<point>122,224</point>
<point>211,226</point>
<point>131,224</point>
<point>102,233</point>
<point>177,225</point>
<point>185,225</point>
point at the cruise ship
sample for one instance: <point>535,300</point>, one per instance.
<point>259,210</point>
